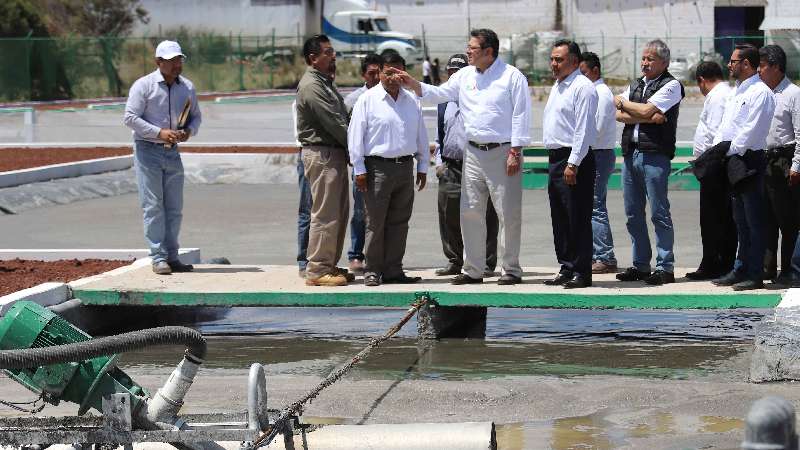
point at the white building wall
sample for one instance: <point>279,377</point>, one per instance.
<point>447,22</point>
<point>224,17</point>
<point>617,29</point>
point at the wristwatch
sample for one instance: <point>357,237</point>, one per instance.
<point>572,166</point>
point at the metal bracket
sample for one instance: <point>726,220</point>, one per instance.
<point>117,412</point>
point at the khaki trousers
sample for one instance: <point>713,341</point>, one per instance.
<point>329,179</point>
<point>485,178</point>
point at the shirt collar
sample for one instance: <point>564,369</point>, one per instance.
<point>495,66</point>
<point>741,86</point>
<point>386,95</point>
<point>646,81</point>
<point>785,82</point>
<point>598,81</point>
<point>160,77</point>
<point>319,74</point>
<point>570,78</point>
<point>718,87</point>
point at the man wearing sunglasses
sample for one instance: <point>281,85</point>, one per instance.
<point>495,102</point>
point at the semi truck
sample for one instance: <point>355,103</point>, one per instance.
<point>354,26</point>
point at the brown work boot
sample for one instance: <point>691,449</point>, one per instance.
<point>328,279</point>
<point>356,266</point>
<point>604,267</point>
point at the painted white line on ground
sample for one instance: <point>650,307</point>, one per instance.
<point>788,310</point>
<point>65,170</point>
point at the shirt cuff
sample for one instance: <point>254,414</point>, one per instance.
<point>795,166</point>
<point>358,167</point>
<point>574,158</point>
<point>422,166</point>
<point>520,141</point>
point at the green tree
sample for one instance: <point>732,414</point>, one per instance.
<point>108,20</point>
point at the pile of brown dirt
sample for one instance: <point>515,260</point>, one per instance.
<point>17,158</point>
<point>18,274</point>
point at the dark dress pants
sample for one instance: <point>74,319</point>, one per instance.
<point>717,228</point>
<point>782,211</point>
<point>571,212</point>
<point>449,206</point>
<point>388,203</point>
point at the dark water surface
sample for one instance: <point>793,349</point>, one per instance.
<point>313,341</point>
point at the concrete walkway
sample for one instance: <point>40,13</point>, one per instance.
<point>225,285</point>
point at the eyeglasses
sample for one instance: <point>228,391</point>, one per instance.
<point>733,62</point>
<point>474,48</point>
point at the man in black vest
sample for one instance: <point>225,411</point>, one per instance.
<point>649,110</point>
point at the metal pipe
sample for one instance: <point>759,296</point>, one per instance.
<point>417,436</point>
<point>770,425</point>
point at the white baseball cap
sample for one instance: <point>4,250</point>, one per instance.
<point>168,50</point>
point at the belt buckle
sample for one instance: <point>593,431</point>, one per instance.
<point>484,147</point>
<point>397,160</point>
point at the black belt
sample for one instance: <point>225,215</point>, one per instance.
<point>487,147</point>
<point>559,149</point>
<point>457,162</point>
<point>787,151</point>
<point>396,160</point>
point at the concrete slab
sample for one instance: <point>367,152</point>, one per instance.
<point>240,285</point>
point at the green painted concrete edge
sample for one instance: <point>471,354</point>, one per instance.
<point>540,151</point>
<point>679,182</point>
<point>402,299</point>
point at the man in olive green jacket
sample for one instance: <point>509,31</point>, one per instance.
<point>322,132</point>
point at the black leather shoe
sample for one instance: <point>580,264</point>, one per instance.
<point>451,269</point>
<point>632,274</point>
<point>489,273</point>
<point>402,279</point>
<point>729,279</point>
<point>178,266</point>
<point>748,285</point>
<point>660,277</point>
<point>702,274</point>
<point>463,278</point>
<point>783,280</point>
<point>559,279</point>
<point>372,280</point>
<point>578,281</point>
<point>509,279</point>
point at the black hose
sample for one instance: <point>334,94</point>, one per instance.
<point>121,343</point>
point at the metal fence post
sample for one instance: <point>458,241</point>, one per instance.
<point>272,63</point>
<point>241,65</point>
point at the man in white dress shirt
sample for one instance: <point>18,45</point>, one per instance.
<point>385,135</point>
<point>783,159</point>
<point>370,72</point>
<point>569,128</point>
<point>744,128</point>
<point>649,109</point>
<point>604,260</point>
<point>496,105</point>
<point>717,229</point>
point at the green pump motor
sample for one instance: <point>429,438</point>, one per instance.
<point>28,325</point>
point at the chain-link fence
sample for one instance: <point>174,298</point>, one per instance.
<point>71,68</point>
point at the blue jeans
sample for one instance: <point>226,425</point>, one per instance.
<point>644,179</point>
<point>602,241</point>
<point>303,215</point>
<point>749,213</point>
<point>159,175</point>
<point>358,225</point>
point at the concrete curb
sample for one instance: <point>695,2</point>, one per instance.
<point>45,294</point>
<point>54,293</point>
<point>65,170</point>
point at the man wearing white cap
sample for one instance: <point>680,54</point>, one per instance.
<point>162,110</point>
